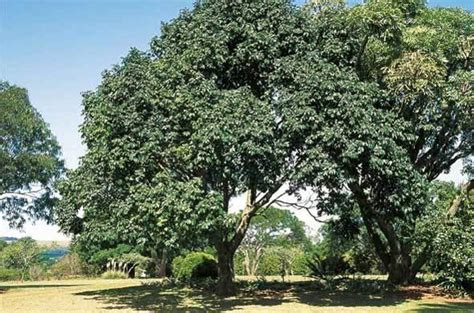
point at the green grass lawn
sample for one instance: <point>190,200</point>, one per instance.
<point>132,295</point>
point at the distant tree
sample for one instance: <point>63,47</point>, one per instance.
<point>29,159</point>
<point>69,265</point>
<point>272,227</point>
<point>353,248</point>
<point>21,255</point>
<point>3,244</point>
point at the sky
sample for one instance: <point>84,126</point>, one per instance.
<point>57,49</point>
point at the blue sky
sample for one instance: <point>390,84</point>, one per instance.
<point>58,49</point>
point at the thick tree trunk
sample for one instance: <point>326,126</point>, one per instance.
<point>393,252</point>
<point>226,247</point>
<point>400,270</point>
<point>159,262</point>
<point>225,267</point>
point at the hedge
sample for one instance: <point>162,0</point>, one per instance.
<point>194,265</point>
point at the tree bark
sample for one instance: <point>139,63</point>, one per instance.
<point>226,247</point>
<point>162,265</point>
<point>225,270</point>
<point>465,190</point>
<point>400,270</point>
<point>394,254</point>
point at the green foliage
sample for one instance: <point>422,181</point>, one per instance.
<point>3,244</point>
<point>273,229</point>
<point>101,257</point>
<point>364,105</point>
<point>174,134</point>
<point>7,274</point>
<point>134,258</point>
<point>372,164</point>
<point>300,265</point>
<point>21,255</point>
<point>350,246</point>
<point>29,159</point>
<point>275,261</point>
<point>195,265</point>
<point>270,265</point>
<point>324,267</point>
<point>453,252</point>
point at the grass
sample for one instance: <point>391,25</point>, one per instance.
<point>131,295</point>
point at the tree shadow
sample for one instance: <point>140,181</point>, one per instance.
<point>175,299</point>
<point>172,299</point>
<point>350,299</point>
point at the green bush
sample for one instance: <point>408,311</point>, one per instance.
<point>114,275</point>
<point>324,267</point>
<point>69,265</point>
<point>194,265</point>
<point>239,263</point>
<point>270,264</point>
<point>300,265</point>
<point>9,274</point>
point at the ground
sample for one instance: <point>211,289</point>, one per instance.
<point>132,295</point>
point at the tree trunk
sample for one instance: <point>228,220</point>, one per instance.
<point>400,271</point>
<point>162,265</point>
<point>226,247</point>
<point>394,253</point>
<point>225,267</point>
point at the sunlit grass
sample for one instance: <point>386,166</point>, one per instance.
<point>131,295</point>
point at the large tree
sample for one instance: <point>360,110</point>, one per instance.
<point>244,96</point>
<point>30,159</point>
<point>174,134</point>
<point>381,162</point>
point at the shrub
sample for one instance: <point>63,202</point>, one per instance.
<point>195,265</point>
<point>300,265</point>
<point>69,265</point>
<point>9,274</point>
<point>37,272</point>
<point>176,265</point>
<point>325,266</point>
<point>239,263</point>
<point>269,265</point>
<point>114,275</point>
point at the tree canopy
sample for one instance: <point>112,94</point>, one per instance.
<point>30,159</point>
<point>364,105</point>
<point>381,161</point>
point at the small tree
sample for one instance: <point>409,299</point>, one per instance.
<point>22,255</point>
<point>69,265</point>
